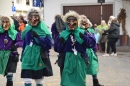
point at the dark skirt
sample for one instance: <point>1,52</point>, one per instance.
<point>45,72</point>
<point>11,65</point>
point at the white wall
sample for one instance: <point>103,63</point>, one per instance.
<point>53,7</point>
<point>6,7</point>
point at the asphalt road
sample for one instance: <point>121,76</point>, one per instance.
<point>113,71</point>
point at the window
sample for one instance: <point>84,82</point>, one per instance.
<point>27,2</point>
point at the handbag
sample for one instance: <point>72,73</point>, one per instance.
<point>47,71</point>
<point>85,59</point>
<point>61,59</point>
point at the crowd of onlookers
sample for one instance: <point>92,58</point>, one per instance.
<point>106,34</point>
<point>19,22</point>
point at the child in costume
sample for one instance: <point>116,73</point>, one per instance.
<point>72,42</point>
<point>35,55</point>
<point>10,40</point>
<point>92,68</point>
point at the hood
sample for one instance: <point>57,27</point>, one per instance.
<point>117,24</point>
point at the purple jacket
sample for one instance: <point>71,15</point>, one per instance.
<point>89,42</point>
<point>10,43</point>
<point>54,31</point>
<point>45,43</point>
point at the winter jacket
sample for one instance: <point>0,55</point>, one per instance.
<point>113,31</point>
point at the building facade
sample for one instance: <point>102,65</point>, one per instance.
<point>110,7</point>
<point>22,6</point>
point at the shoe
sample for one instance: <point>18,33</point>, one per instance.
<point>112,54</point>
<point>96,83</point>
<point>9,83</point>
<point>105,55</point>
<point>39,85</point>
<point>115,54</point>
<point>27,84</point>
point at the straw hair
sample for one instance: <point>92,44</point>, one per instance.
<point>34,10</point>
<point>71,13</point>
<point>10,19</point>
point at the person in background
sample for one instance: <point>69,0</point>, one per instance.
<point>113,36</point>
<point>97,36</point>
<point>57,26</point>
<point>110,20</point>
<point>35,54</point>
<point>16,23</point>
<point>10,40</point>
<point>21,23</point>
<point>103,37</point>
<point>92,67</point>
<point>73,42</point>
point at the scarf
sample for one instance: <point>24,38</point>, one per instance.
<point>11,32</point>
<point>65,34</point>
<point>41,29</point>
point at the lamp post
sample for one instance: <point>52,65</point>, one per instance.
<point>12,3</point>
<point>101,11</point>
<point>101,1</point>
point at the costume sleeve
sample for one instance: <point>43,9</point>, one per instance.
<point>45,42</point>
<point>57,46</point>
<point>89,40</point>
<point>18,40</point>
<point>54,31</point>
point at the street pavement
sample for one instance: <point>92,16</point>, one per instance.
<point>113,71</point>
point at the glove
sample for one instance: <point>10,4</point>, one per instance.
<point>34,34</point>
<point>62,40</point>
<point>14,48</point>
<point>81,35</point>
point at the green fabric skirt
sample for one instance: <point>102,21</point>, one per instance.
<point>31,58</point>
<point>92,68</point>
<point>74,72</point>
<point>4,56</point>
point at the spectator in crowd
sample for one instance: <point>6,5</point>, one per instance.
<point>21,23</point>
<point>16,23</point>
<point>110,20</point>
<point>103,37</point>
<point>113,36</point>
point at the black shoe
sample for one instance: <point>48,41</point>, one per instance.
<point>96,83</point>
<point>9,83</point>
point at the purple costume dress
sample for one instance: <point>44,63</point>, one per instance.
<point>46,44</point>
<point>12,63</point>
<point>89,42</point>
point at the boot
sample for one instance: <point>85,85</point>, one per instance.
<point>96,83</point>
<point>9,83</point>
<point>28,84</point>
<point>39,85</point>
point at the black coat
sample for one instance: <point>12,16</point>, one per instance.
<point>113,31</point>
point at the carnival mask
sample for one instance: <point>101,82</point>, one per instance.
<point>72,22</point>
<point>5,23</point>
<point>34,18</point>
<point>84,25</point>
